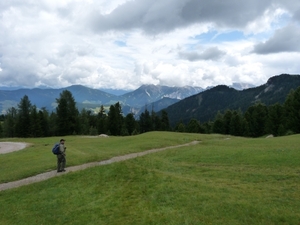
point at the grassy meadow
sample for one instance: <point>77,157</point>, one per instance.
<point>221,180</point>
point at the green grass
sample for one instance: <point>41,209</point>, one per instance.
<point>38,157</point>
<point>222,180</point>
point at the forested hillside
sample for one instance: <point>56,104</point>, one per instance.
<point>205,105</point>
<point>251,113</point>
<point>258,120</point>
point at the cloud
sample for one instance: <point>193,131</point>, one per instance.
<point>212,53</point>
<point>155,17</point>
<point>296,16</point>
<point>122,44</point>
<point>283,40</point>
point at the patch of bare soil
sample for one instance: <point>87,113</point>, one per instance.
<point>47,175</point>
<point>6,147</point>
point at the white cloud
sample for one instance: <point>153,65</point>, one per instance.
<point>123,44</point>
<point>212,53</point>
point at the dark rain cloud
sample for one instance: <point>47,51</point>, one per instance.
<point>155,17</point>
<point>283,40</point>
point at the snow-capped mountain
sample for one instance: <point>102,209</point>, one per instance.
<point>92,98</point>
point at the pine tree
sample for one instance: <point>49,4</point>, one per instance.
<point>1,129</point>
<point>236,124</point>
<point>9,124</point>
<point>226,121</point>
<point>275,119</point>
<point>67,114</point>
<point>292,108</point>
<point>130,123</point>
<point>165,124</point>
<point>115,119</point>
<point>43,116</point>
<point>218,125</point>
<point>193,126</point>
<point>53,127</point>
<point>35,123</point>
<point>23,117</point>
<point>84,122</point>
<point>145,122</point>
<point>101,121</point>
<point>181,127</point>
<point>256,117</point>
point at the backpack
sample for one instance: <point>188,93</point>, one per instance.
<point>55,149</point>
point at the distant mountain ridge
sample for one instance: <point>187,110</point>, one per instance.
<point>205,105</point>
<point>181,103</point>
<point>147,94</point>
<point>92,98</point>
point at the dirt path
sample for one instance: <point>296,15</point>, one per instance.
<point>47,175</point>
<point>6,147</point>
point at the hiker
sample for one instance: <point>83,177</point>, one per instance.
<point>61,157</point>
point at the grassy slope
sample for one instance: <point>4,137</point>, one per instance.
<point>38,157</point>
<point>219,181</point>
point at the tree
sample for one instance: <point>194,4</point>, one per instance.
<point>23,117</point>
<point>218,125</point>
<point>155,121</point>
<point>67,114</point>
<point>9,124</point>
<point>115,119</point>
<point>35,123</point>
<point>274,124</point>
<point>145,122</point>
<point>53,127</point>
<point>165,124</point>
<point>180,127</point>
<point>193,126</point>
<point>1,129</point>
<point>207,127</point>
<point>43,116</point>
<point>226,121</point>
<point>101,121</point>
<point>236,124</point>
<point>92,119</point>
<point>292,109</point>
<point>256,117</point>
<point>130,123</point>
<point>84,122</point>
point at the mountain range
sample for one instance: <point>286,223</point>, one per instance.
<point>157,96</point>
<point>181,103</point>
<point>204,106</point>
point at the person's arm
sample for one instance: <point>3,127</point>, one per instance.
<point>62,149</point>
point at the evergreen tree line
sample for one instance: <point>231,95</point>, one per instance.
<point>256,121</point>
<point>27,121</point>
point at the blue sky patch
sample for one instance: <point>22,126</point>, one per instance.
<point>216,37</point>
<point>120,43</point>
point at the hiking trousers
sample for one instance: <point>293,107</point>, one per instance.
<point>61,162</point>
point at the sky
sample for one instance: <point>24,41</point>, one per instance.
<point>123,44</point>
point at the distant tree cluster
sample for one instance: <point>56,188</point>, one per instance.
<point>258,120</point>
<point>28,121</point>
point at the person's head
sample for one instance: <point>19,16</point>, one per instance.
<point>62,141</point>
